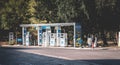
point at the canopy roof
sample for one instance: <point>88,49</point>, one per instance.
<point>48,24</point>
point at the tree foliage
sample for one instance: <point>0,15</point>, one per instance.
<point>91,14</point>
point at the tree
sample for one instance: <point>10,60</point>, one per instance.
<point>91,14</point>
<point>31,10</point>
<point>12,14</point>
<point>47,10</point>
<point>66,10</point>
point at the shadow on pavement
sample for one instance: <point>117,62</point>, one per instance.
<point>104,61</point>
<point>10,56</point>
<point>17,48</point>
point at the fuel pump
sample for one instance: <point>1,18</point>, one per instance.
<point>11,37</point>
<point>46,39</point>
<point>63,39</point>
<point>52,39</point>
<point>27,39</point>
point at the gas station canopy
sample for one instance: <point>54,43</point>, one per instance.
<point>24,26</point>
<point>48,24</point>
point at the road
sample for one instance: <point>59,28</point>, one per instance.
<point>21,55</point>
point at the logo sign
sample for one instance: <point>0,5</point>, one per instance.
<point>45,27</point>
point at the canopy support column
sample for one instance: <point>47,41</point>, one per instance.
<point>23,35</point>
<point>38,35</point>
<point>74,36</point>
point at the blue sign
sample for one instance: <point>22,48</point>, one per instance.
<point>45,27</point>
<point>40,31</point>
<point>78,27</point>
<point>19,39</point>
<point>59,31</point>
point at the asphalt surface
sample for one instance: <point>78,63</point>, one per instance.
<point>20,55</point>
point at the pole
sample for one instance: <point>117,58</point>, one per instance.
<point>74,35</point>
<point>23,41</point>
<point>57,36</point>
<point>119,39</point>
<point>38,35</point>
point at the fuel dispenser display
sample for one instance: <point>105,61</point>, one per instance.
<point>63,39</point>
<point>52,39</point>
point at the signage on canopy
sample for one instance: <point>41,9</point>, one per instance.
<point>45,27</point>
